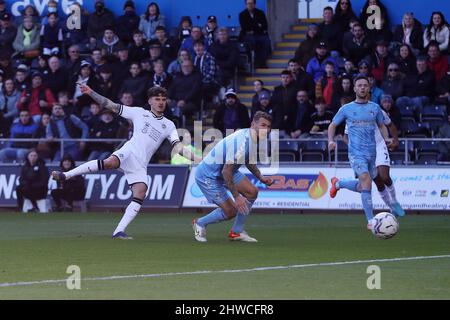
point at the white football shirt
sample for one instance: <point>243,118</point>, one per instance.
<point>149,132</point>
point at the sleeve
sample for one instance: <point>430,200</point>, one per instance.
<point>339,117</point>
<point>81,125</point>
<point>444,45</point>
<point>387,119</point>
<point>129,112</point>
<point>173,134</point>
<point>346,129</point>
<point>380,118</point>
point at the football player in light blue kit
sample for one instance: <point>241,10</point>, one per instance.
<point>219,173</point>
<point>362,117</point>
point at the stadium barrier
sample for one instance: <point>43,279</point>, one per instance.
<point>298,185</point>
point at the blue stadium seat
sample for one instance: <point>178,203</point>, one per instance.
<point>413,129</point>
<point>398,155</point>
<point>427,150</point>
<point>427,160</point>
<point>342,154</point>
<point>289,150</point>
<point>434,125</point>
<point>407,112</point>
<point>434,112</point>
<point>313,151</point>
<point>233,33</point>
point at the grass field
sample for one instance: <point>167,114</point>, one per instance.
<point>34,248</point>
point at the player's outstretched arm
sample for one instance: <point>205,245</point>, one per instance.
<point>101,100</point>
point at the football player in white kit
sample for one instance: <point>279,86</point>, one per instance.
<point>150,129</point>
<point>383,180</point>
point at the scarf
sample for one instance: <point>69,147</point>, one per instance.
<point>27,37</point>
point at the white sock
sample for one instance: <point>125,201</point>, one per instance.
<point>88,167</point>
<point>130,213</point>
<point>391,191</point>
<point>385,196</point>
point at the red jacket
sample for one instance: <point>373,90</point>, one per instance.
<point>40,93</point>
<point>440,67</point>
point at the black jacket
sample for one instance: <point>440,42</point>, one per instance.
<point>97,23</point>
<point>301,121</point>
<point>126,24</point>
<point>57,81</point>
<point>420,85</point>
<point>102,130</point>
<point>35,177</point>
<point>394,87</point>
<point>227,57</point>
<point>355,52</point>
<point>416,37</point>
<point>186,87</point>
<point>306,50</point>
<point>283,100</point>
<point>138,87</point>
<point>257,24</point>
<point>332,35</point>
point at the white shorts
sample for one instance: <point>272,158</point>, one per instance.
<point>130,165</point>
<point>383,158</point>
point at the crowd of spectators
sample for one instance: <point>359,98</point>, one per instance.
<point>41,60</point>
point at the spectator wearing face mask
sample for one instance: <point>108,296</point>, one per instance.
<point>127,23</point>
<point>98,21</point>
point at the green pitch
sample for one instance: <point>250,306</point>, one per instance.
<point>34,248</point>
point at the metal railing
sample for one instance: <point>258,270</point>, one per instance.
<point>409,146</point>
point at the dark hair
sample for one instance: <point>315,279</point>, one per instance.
<point>69,158</point>
<point>137,31</point>
<point>329,63</point>
<point>292,60</point>
<point>430,25</point>
<point>147,15</point>
<point>433,43</point>
<point>360,77</point>
<point>261,114</point>
<point>338,10</point>
<point>319,101</point>
<point>328,9</point>
<point>286,73</point>
<point>159,28</point>
<point>156,91</point>
<point>410,52</point>
<point>52,14</point>
<point>198,42</point>
<point>260,81</point>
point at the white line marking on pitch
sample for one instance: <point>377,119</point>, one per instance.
<point>159,275</point>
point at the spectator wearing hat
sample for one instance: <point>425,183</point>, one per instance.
<point>8,33</point>
<point>51,36</point>
<point>56,78</point>
<point>107,85</point>
<point>316,66</point>
<point>64,126</point>
<point>329,31</point>
<point>69,190</point>
<point>185,91</point>
<point>127,23</point>
<point>154,50</point>
<point>264,103</point>
<point>305,50</point>
<point>387,103</point>
<point>22,129</point>
<point>299,121</point>
<point>106,127</point>
<point>379,60</point>
<point>226,54</point>
<point>184,28</point>
<point>151,19</point>
<point>21,77</point>
<point>159,77</point>
<point>98,21</point>
<point>210,30</point>
<point>419,88</point>
<point>138,50</point>
<point>169,45</point>
<point>37,98</point>
<point>356,47</point>
<point>110,42</point>
<point>85,76</point>
<point>196,35</point>
<point>9,97</point>
<point>283,100</point>
<point>231,114</point>
<point>27,41</point>
<point>33,181</point>
<point>136,83</point>
<point>437,62</point>
<point>254,31</point>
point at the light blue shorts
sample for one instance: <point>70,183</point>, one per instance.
<point>361,164</point>
<point>214,188</point>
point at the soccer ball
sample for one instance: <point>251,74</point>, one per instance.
<point>385,225</point>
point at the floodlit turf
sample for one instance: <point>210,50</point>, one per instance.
<point>37,247</point>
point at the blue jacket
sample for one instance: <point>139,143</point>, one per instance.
<point>23,131</point>
<point>64,132</point>
<point>148,27</point>
<point>188,44</point>
<point>317,70</point>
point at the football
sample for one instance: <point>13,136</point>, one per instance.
<point>386,225</point>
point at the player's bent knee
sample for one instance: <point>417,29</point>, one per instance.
<point>253,193</point>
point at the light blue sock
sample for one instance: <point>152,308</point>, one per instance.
<point>366,197</point>
<point>214,216</point>
<point>348,184</point>
<point>239,222</point>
